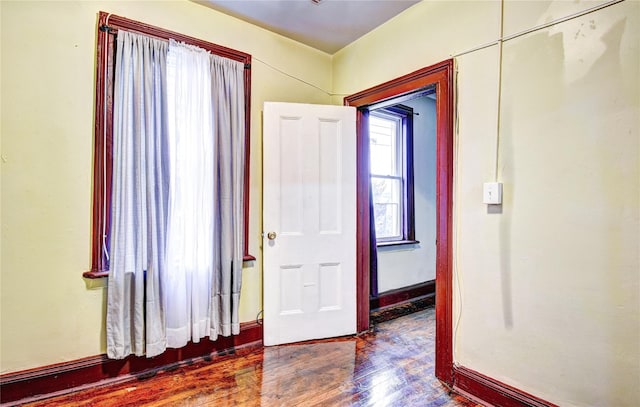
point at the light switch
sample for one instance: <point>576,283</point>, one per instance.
<point>492,193</point>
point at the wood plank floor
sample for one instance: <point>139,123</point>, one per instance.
<point>390,366</point>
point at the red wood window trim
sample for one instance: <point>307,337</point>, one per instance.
<point>439,75</point>
<point>108,24</point>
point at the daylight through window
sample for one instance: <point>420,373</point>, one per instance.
<point>391,170</point>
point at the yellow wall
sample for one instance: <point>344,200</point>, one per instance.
<point>547,292</point>
<point>49,314</point>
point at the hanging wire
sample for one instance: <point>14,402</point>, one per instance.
<point>299,79</point>
<point>105,251</point>
<point>456,237</point>
<point>499,103</point>
<point>538,27</point>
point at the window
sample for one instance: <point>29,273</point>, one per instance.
<point>391,172</point>
<point>103,146</point>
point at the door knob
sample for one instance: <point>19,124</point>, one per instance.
<point>271,235</point>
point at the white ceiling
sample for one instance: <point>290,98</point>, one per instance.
<point>327,26</point>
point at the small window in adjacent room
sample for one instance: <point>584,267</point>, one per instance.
<point>391,172</point>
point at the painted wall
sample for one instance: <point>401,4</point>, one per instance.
<point>402,266</point>
<point>49,314</point>
<point>547,290</point>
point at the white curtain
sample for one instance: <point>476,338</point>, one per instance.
<point>176,216</point>
<point>191,195</point>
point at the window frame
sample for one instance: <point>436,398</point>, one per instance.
<point>109,24</point>
<point>405,116</point>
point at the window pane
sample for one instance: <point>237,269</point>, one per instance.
<point>386,204</point>
<point>382,144</point>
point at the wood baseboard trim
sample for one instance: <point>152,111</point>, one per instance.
<point>94,371</point>
<point>60,378</point>
<point>403,295</point>
<point>488,390</point>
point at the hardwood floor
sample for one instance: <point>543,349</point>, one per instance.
<point>390,366</point>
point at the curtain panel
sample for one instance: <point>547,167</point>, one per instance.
<point>177,205</point>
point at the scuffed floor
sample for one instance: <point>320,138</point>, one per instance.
<point>391,366</point>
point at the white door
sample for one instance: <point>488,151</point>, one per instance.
<point>309,222</point>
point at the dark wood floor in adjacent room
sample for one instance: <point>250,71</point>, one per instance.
<point>390,366</point>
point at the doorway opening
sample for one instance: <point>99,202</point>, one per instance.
<point>438,79</point>
<point>402,162</point>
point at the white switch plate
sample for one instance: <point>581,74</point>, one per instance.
<point>492,193</point>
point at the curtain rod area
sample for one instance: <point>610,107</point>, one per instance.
<point>114,31</point>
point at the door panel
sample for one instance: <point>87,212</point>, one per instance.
<point>309,203</point>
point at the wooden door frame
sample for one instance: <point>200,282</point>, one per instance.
<point>439,75</point>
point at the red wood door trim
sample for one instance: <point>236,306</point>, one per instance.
<point>439,75</point>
